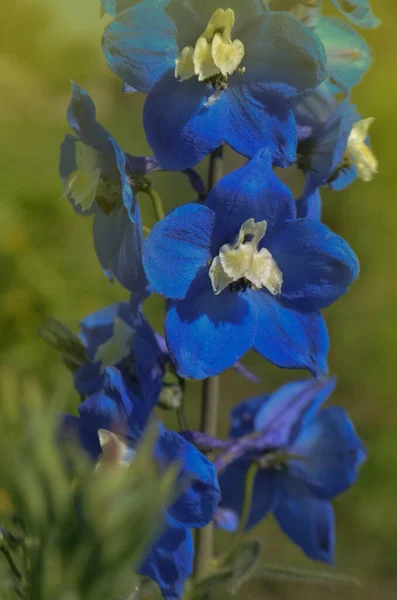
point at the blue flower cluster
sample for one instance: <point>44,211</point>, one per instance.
<point>243,266</point>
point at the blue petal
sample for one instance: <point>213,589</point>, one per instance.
<point>264,497</point>
<point>358,12</point>
<point>282,415</point>
<point>260,119</point>
<point>308,521</point>
<point>332,453</point>
<point>170,561</point>
<point>67,166</point>
<point>177,248</point>
<point>288,338</point>
<point>349,56</point>
<point>139,45</point>
<point>226,519</point>
<point>281,53</point>
<point>310,206</point>
<point>112,7</point>
<point>253,191</point>
<point>242,416</point>
<point>207,334</point>
<point>81,116</point>
<point>317,265</point>
<point>97,328</point>
<point>180,128</point>
<point>197,505</point>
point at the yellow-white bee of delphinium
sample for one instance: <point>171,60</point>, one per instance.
<point>358,151</point>
<point>115,452</point>
<point>215,53</point>
<point>241,264</point>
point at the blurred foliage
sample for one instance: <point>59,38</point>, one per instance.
<point>48,549</point>
<point>49,268</point>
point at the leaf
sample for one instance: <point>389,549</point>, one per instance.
<point>282,573</point>
<point>243,562</point>
<point>221,578</point>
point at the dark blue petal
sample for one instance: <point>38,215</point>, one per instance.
<point>310,206</point>
<point>317,265</point>
<point>288,338</point>
<point>349,56</point>
<point>282,53</point>
<point>332,453</point>
<point>139,45</point>
<point>177,248</point>
<point>197,505</point>
<point>283,414</point>
<point>253,191</point>
<point>232,484</point>
<point>260,119</point>
<point>81,116</point>
<point>358,12</point>
<point>242,416</point>
<point>308,521</point>
<point>170,561</point>
<point>207,334</point>
<point>180,128</point>
<point>97,328</point>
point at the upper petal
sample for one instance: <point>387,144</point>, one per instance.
<point>282,53</point>
<point>139,44</point>
<point>332,453</point>
<point>307,520</point>
<point>177,248</point>
<point>180,126</point>
<point>207,334</point>
<point>252,191</point>
<point>358,12</point>
<point>318,266</point>
<point>288,338</point>
<point>197,505</point>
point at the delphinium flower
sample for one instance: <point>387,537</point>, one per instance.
<point>110,428</point>
<point>100,179</point>
<point>226,71</point>
<point>242,271</point>
<point>333,147</point>
<point>305,456</point>
<point>357,11</point>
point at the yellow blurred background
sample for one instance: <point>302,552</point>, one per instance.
<point>48,265</point>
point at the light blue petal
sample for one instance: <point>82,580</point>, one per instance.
<point>288,338</point>
<point>349,56</point>
<point>112,7</point>
<point>139,45</point>
<point>332,453</point>
<point>207,334</point>
<point>282,53</point>
<point>197,505</point>
<point>252,191</point>
<point>317,265</point>
<point>180,128</point>
<point>358,12</point>
<point>81,116</point>
<point>170,561</point>
<point>308,521</point>
<point>260,119</point>
<point>310,206</point>
<point>177,248</point>
<point>282,415</point>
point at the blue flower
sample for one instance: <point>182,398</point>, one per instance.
<point>357,11</point>
<point>333,148</point>
<point>120,336</point>
<point>241,271</point>
<point>306,456</point>
<point>225,72</point>
<point>116,410</point>
<point>100,179</point>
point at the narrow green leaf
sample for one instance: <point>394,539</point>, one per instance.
<point>282,573</point>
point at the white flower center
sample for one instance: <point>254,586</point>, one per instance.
<point>118,347</point>
<point>359,152</point>
<point>215,54</point>
<point>243,262</point>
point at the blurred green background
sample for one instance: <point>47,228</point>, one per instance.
<point>49,268</point>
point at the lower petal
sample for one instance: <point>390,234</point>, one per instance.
<point>180,128</point>
<point>207,334</point>
<point>288,338</point>
<point>308,521</point>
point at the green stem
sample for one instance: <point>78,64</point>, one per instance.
<point>209,411</point>
<point>157,203</point>
<point>247,500</point>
